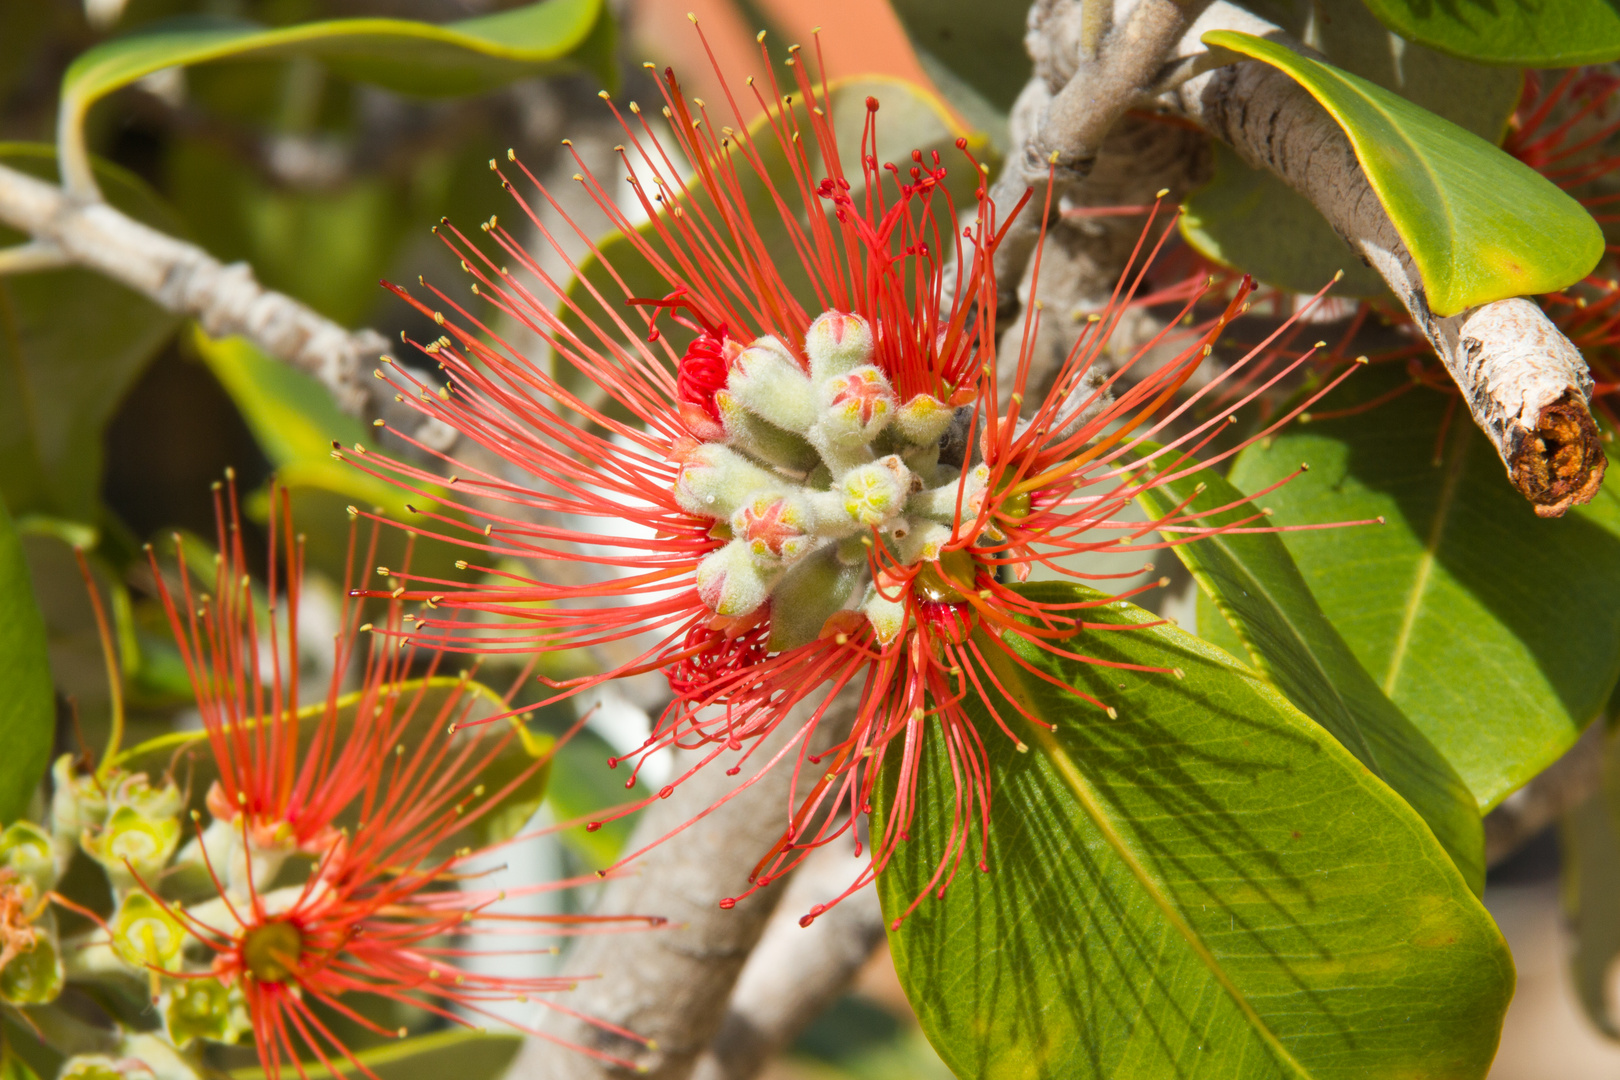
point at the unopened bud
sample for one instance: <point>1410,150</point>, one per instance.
<point>767,381</point>
<point>923,420</point>
<point>715,481</point>
<point>836,343</point>
<point>729,581</point>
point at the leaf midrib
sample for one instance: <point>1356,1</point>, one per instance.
<point>1431,546</point>
<point>1075,781</point>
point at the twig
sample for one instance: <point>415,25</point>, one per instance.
<point>1525,382</point>
<point>673,986</point>
<point>796,972</point>
<point>224,299</point>
<point>1556,790</point>
<point>1084,107</point>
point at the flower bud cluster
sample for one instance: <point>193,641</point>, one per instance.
<point>805,470</point>
<point>132,829</point>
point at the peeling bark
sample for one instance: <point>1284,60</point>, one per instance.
<point>1525,383</point>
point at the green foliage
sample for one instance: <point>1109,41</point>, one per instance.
<point>295,421</point>
<point>1256,585</point>
<point>1458,202</point>
<point>466,1055</point>
<point>71,344</point>
<point>436,701</point>
<point>1208,885</point>
<point>1563,33</point>
<point>28,704</point>
<point>1250,219</point>
<point>420,58</point>
<point>1591,864</point>
<point>1495,631</point>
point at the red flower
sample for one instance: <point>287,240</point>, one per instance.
<point>373,785</point>
<point>840,518</point>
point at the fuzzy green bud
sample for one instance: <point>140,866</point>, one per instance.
<point>132,846</point>
<point>837,342</point>
<point>145,934</point>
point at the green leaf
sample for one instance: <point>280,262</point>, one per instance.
<point>1458,202</point>
<point>1260,591</point>
<point>187,754</point>
<point>909,119</point>
<point>581,785</point>
<point>466,57</point>
<point>1564,33</point>
<point>1208,885</point>
<point>1250,219</point>
<point>71,343</point>
<point>1591,869</point>
<point>1495,631</point>
<point>28,703</point>
<point>466,1055</point>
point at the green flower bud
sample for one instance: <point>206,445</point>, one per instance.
<point>201,1009</point>
<point>77,803</point>
<point>145,934</point>
<point>90,1067</point>
<point>27,849</point>
<point>132,846</point>
<point>34,975</point>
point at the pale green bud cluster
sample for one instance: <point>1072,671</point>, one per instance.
<point>132,828</point>
<point>812,467</point>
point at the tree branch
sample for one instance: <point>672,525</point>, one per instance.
<point>1089,94</point>
<point>1525,383</point>
<point>224,299</point>
<point>673,986</point>
<point>796,972</point>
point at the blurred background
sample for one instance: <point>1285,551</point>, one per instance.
<point>115,417</point>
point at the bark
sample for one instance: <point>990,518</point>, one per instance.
<point>1086,101</point>
<point>672,986</point>
<point>224,299</point>
<point>796,972</point>
<point>1526,384</point>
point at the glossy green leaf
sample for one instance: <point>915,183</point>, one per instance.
<point>1495,631</point>
<point>1591,869</point>
<point>1258,588</point>
<point>1458,202</point>
<point>1562,33</point>
<point>1250,219</point>
<point>465,1055</point>
<point>28,702</point>
<point>412,57</point>
<point>1206,886</point>
<point>72,342</point>
<point>909,118</point>
<point>188,755</point>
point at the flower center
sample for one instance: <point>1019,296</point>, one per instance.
<point>806,470</point>
<point>271,951</point>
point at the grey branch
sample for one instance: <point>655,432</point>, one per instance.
<point>673,985</point>
<point>1525,383</point>
<point>796,971</point>
<point>1089,91</point>
<point>224,299</point>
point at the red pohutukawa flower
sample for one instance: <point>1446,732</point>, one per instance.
<point>374,789</point>
<point>808,499</point>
